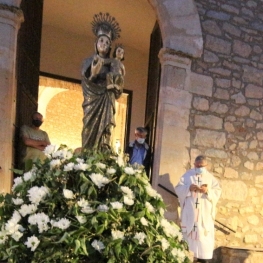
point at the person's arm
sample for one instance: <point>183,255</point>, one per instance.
<point>40,145</point>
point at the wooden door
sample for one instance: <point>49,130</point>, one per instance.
<point>28,64</point>
<point>154,71</point>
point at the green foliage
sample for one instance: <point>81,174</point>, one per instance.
<point>86,208</point>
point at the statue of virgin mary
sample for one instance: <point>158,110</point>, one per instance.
<point>99,101</point>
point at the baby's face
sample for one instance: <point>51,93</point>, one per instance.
<point>119,53</point>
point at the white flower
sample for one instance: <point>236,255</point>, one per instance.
<point>18,201</point>
<point>99,179</point>
<point>98,245</point>
<point>16,217</point>
<point>17,181</point>
<point>68,167</point>
<point>68,194</point>
<point>41,220</point>
<point>55,163</point>
<point>3,237</point>
<point>144,221</point>
<point>149,207</point>
<point>63,223</point>
<point>83,202</point>
<point>101,165</point>
<point>81,219</point>
<point>49,149</point>
<point>79,160</point>
<point>140,236</point>
<point>11,227</point>
<point>120,160</point>
<point>126,190</point>
<point>28,176</point>
<point>117,205</point>
<point>27,209</point>
<point>37,194</point>
<point>165,244</point>
<point>17,235</point>
<point>178,254</point>
<point>128,201</point>
<point>103,208</point>
<point>111,171</point>
<point>151,192</point>
<point>87,210</point>
<point>116,234</point>
<point>129,170</point>
<point>81,166</point>
<point>32,242</point>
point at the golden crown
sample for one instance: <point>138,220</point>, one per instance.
<point>105,24</point>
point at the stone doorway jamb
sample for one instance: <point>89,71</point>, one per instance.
<point>11,17</point>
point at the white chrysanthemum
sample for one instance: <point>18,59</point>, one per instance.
<point>87,210</point>
<point>17,181</point>
<point>111,171</point>
<point>11,227</point>
<point>55,163</point>
<point>178,254</point>
<point>32,242</point>
<point>116,234</point>
<point>79,160</point>
<point>3,237</point>
<point>103,208</point>
<point>49,149</point>
<point>37,194</point>
<point>151,192</point>
<point>140,236</point>
<point>128,201</point>
<point>28,176</point>
<point>81,167</point>
<point>68,167</point>
<point>27,209</point>
<point>63,223</point>
<point>99,179</point>
<point>98,245</point>
<point>165,244</point>
<point>129,170</point>
<point>68,194</point>
<point>101,165</point>
<point>16,217</point>
<point>116,205</point>
<point>41,220</point>
<point>83,202</point>
<point>149,207</point>
<point>58,154</point>
<point>17,235</point>
<point>126,190</point>
<point>81,219</point>
<point>144,221</point>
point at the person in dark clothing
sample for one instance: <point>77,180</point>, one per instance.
<point>139,151</point>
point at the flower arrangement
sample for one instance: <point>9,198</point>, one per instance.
<point>87,207</point>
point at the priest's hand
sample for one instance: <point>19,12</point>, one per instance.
<point>203,189</point>
<point>193,188</point>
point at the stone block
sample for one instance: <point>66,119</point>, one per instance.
<point>212,139</point>
<point>230,173</point>
<point>241,48</point>
<point>209,122</point>
<point>218,45</point>
<point>234,190</point>
<point>200,84</point>
<point>201,104</point>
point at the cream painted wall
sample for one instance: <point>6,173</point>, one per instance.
<point>62,54</point>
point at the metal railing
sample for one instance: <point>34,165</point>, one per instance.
<point>174,194</point>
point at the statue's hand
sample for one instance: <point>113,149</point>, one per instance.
<point>96,65</point>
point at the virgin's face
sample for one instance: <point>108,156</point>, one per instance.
<point>103,45</point>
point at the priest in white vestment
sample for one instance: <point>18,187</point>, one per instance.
<point>198,192</point>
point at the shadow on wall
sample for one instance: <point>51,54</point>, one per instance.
<point>166,189</point>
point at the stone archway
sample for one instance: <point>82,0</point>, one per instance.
<point>182,40</point>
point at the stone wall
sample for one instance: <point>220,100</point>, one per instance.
<point>226,120</point>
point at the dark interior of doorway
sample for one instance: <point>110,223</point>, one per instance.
<point>129,102</point>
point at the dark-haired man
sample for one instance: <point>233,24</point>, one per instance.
<point>198,192</point>
<point>34,139</point>
<point>139,151</point>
